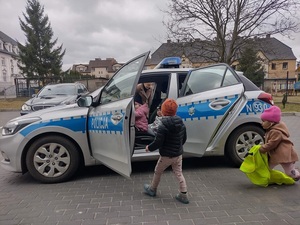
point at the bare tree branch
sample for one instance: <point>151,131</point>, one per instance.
<point>224,26</point>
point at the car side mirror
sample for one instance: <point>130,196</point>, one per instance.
<point>33,95</point>
<point>85,101</point>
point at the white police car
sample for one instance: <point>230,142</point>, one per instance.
<point>220,109</point>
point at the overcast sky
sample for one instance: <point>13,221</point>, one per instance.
<point>120,29</point>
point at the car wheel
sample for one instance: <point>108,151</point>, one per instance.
<point>52,159</point>
<point>241,141</point>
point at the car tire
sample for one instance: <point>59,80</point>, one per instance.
<point>241,141</point>
<point>52,159</point>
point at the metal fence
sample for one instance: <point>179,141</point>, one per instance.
<point>8,91</point>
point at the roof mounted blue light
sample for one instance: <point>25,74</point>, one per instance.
<point>169,62</point>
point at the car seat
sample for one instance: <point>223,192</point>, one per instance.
<point>142,138</point>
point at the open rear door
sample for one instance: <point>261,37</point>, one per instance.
<point>207,96</point>
<point>110,124</point>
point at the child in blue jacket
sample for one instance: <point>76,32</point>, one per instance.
<point>170,138</point>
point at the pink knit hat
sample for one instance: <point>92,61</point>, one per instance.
<point>272,114</point>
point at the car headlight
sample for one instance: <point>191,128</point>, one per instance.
<point>26,107</point>
<point>15,125</point>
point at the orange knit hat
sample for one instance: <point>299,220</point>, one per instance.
<point>169,107</point>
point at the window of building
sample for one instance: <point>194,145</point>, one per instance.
<point>4,75</point>
<point>3,61</point>
<point>273,66</point>
<point>15,49</point>
<point>285,66</point>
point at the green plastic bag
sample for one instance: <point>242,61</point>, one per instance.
<point>255,166</point>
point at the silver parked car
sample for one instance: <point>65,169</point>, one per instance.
<point>220,109</point>
<point>52,95</point>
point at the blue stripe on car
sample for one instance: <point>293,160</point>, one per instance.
<point>254,106</point>
<point>76,124</point>
<point>201,109</point>
<point>103,123</point>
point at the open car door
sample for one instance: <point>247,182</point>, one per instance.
<point>111,122</point>
<point>207,96</point>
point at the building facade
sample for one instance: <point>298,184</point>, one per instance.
<point>98,68</point>
<point>279,63</point>
<point>9,69</point>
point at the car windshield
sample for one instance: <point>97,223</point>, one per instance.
<point>58,90</point>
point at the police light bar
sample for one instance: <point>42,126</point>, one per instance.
<point>169,62</point>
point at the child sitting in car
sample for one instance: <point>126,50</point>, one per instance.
<point>154,126</point>
<point>141,119</point>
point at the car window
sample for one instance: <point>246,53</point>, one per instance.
<point>120,86</point>
<point>161,87</point>
<point>181,78</point>
<point>249,85</point>
<point>229,79</point>
<point>81,89</point>
<point>205,79</point>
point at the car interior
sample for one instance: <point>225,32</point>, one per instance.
<point>160,91</point>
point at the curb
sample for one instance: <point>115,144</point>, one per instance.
<point>9,110</point>
<point>290,113</point>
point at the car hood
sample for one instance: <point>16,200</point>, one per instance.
<point>51,100</point>
<point>51,116</point>
<point>57,112</point>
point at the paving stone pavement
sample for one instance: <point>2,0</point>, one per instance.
<point>218,193</point>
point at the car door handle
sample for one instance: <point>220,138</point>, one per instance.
<point>218,104</point>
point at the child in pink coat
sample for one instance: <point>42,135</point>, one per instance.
<point>278,146</point>
<point>141,116</point>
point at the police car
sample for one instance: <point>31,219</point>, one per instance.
<point>219,107</point>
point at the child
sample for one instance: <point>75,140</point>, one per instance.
<point>170,137</point>
<point>141,120</point>
<point>279,147</point>
<point>154,126</point>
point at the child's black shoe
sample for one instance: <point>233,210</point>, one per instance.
<point>182,198</point>
<point>149,191</point>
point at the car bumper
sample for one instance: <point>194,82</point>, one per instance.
<point>10,152</point>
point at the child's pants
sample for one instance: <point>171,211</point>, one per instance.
<point>289,169</point>
<point>162,164</point>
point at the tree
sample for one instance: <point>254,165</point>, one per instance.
<point>249,64</point>
<point>225,26</point>
<point>39,56</point>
